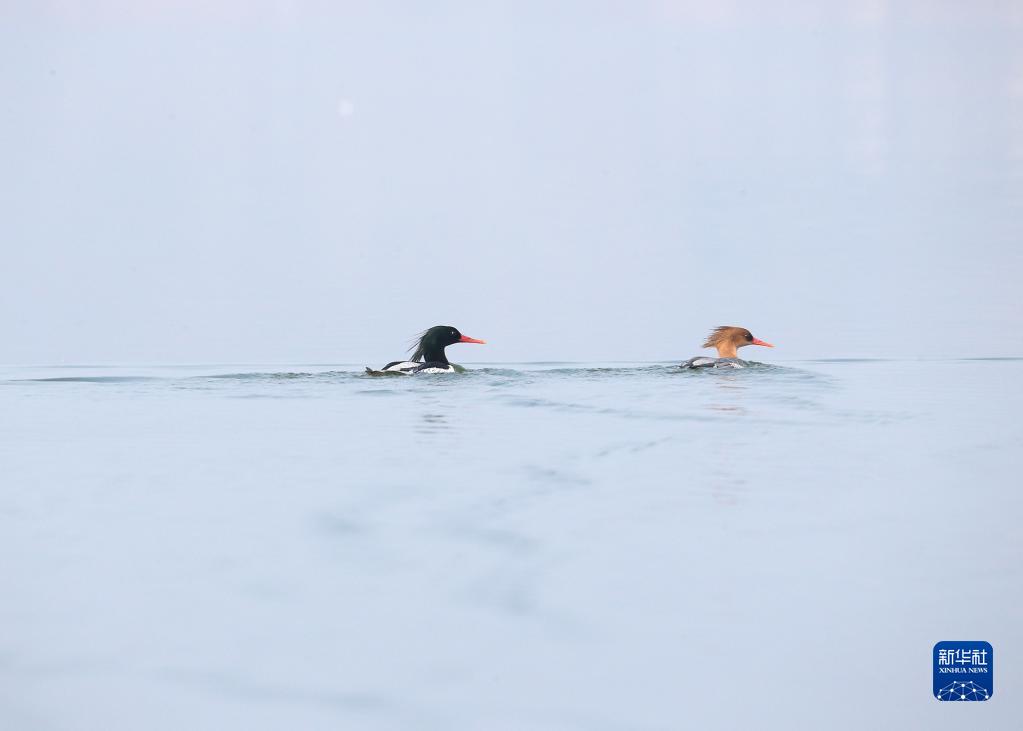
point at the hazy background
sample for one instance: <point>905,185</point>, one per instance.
<point>316,181</point>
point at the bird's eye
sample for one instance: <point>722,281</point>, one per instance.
<point>749,336</point>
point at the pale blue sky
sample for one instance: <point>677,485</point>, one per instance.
<point>315,182</point>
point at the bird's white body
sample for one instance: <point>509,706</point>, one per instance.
<point>414,368</point>
<point>405,366</point>
<point>702,361</point>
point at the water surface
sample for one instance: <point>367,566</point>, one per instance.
<point>525,546</point>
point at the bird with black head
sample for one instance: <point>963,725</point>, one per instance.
<point>428,354</point>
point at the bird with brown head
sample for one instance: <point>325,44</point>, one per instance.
<point>727,340</point>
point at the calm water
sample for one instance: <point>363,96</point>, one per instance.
<point>526,546</point>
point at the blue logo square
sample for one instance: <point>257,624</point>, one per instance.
<point>964,671</point>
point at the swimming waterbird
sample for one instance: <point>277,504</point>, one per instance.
<point>727,339</point>
<point>428,353</point>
